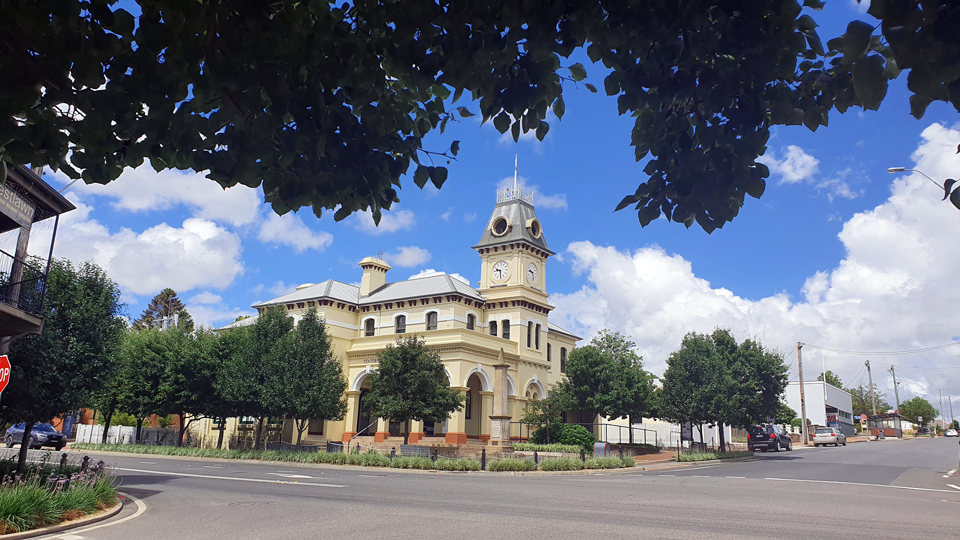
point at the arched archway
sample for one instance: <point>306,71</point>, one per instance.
<point>473,408</point>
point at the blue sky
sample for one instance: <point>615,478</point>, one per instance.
<point>837,253</point>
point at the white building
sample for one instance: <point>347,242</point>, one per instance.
<point>827,405</point>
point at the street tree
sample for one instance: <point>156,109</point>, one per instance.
<point>863,400</point>
<point>607,378</point>
<point>250,363</point>
<point>189,382</point>
<point>328,106</point>
<point>311,384</point>
<point>686,395</point>
<point>411,384</point>
<point>832,379</point>
<point>60,369</point>
<point>916,409</point>
<point>144,368</point>
<point>549,410</point>
<point>785,414</point>
<point>166,304</point>
<point>107,397</point>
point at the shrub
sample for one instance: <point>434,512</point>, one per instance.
<point>410,462</point>
<point>374,459</point>
<point>609,462</point>
<point>565,434</point>
<point>555,432</point>
<point>511,464</point>
<point>553,447</point>
<point>461,464</point>
<point>561,464</point>
<point>705,456</point>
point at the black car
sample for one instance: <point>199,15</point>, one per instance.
<point>41,435</point>
<point>768,437</point>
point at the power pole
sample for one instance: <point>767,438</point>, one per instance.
<point>803,404</point>
<point>943,419</point>
<point>896,393</point>
<point>873,394</point>
<point>950,399</point>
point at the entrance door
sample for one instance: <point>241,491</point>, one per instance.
<point>429,429</point>
<point>363,417</point>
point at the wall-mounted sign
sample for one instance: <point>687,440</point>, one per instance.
<point>16,206</point>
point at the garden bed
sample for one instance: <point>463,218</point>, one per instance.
<point>707,456</point>
<point>48,494</point>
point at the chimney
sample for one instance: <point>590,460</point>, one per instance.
<point>374,275</point>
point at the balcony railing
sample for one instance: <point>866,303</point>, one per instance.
<point>22,285</point>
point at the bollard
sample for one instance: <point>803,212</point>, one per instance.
<point>583,455</point>
<point>536,458</point>
<point>434,456</point>
<point>393,453</point>
<point>358,448</point>
<point>483,459</point>
<point>621,452</point>
<point>63,460</point>
<point>83,466</point>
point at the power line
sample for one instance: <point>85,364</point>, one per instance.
<point>884,353</point>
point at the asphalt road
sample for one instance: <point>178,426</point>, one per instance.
<point>865,490</point>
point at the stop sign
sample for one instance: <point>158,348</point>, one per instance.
<point>4,372</point>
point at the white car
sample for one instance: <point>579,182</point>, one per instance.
<point>829,435</point>
<point>951,433</point>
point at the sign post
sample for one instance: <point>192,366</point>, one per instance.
<point>4,372</point>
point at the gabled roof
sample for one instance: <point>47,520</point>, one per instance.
<point>554,329</point>
<point>436,285</point>
<point>517,212</point>
<point>334,290</point>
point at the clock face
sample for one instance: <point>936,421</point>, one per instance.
<point>532,273</point>
<point>501,270</point>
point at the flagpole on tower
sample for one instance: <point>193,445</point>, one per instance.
<point>515,157</point>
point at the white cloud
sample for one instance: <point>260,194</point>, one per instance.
<point>530,136</point>
<point>894,289</point>
<point>408,256</point>
<point>206,297</point>
<point>446,215</point>
<point>200,253</point>
<point>431,272</point>
<point>290,230</point>
<point>280,288</point>
<point>390,221</point>
<point>540,199</point>
<point>215,314</point>
<point>470,217</point>
<point>795,166</point>
<point>860,5</point>
<point>143,190</point>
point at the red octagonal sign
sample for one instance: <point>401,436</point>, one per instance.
<point>4,372</point>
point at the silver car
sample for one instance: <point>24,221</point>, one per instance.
<point>828,435</point>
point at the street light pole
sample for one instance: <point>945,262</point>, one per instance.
<point>903,169</point>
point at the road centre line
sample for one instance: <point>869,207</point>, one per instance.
<point>666,475</point>
<point>698,476</point>
<point>257,480</point>
<point>861,484</point>
<point>736,477</point>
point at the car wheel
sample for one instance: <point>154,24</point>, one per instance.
<point>790,446</point>
<point>9,442</point>
<point>763,449</point>
<point>776,445</point>
<point>836,444</point>
<point>844,442</point>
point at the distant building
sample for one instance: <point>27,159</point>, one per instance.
<point>467,326</point>
<point>827,405</point>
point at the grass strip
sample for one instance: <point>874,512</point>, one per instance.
<point>706,456</point>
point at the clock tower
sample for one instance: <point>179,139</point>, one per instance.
<point>513,253</point>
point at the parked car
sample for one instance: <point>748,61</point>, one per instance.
<point>41,435</point>
<point>828,435</point>
<point>951,433</point>
<point>768,437</point>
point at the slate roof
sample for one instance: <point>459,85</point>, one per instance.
<point>517,212</point>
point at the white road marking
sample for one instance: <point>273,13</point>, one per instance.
<point>862,484</point>
<point>213,466</point>
<point>666,475</point>
<point>698,476</point>
<point>148,462</point>
<point>289,475</point>
<point>372,475</point>
<point>949,474</point>
<point>258,480</point>
<point>141,508</point>
<point>737,477</point>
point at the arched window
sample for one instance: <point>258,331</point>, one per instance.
<point>471,322</point>
<point>368,328</point>
<point>432,320</point>
<point>548,352</point>
<point>536,337</point>
<point>563,359</point>
<point>529,333</point>
<point>493,328</point>
<point>506,329</point>
<point>401,324</point>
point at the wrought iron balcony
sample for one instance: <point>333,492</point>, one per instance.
<point>22,284</point>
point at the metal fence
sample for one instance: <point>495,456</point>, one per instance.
<point>609,433</point>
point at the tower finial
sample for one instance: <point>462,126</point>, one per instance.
<point>515,158</point>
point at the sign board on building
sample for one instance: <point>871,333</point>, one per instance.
<point>686,431</point>
<point>4,372</point>
<point>16,206</point>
